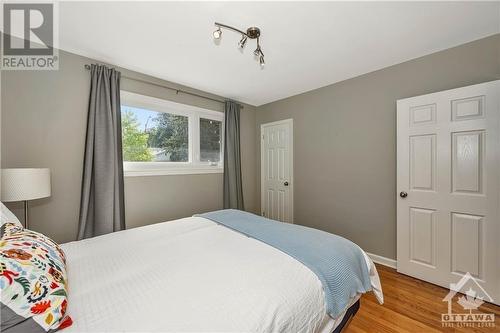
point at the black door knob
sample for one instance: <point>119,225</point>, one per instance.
<point>403,194</point>
<point>285,183</point>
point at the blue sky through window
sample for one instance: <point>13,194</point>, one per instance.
<point>142,115</point>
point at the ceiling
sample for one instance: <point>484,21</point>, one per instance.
<point>307,44</point>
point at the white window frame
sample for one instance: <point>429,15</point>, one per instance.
<point>194,165</point>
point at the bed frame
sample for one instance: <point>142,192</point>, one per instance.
<point>347,317</point>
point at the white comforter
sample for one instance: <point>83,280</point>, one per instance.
<point>191,275</point>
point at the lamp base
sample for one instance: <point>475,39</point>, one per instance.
<point>26,225</point>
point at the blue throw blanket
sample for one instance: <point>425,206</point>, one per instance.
<point>339,264</point>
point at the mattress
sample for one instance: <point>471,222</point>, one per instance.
<point>191,275</point>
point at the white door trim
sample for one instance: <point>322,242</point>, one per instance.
<point>292,184</point>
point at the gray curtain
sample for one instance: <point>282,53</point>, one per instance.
<point>102,208</point>
<point>233,189</point>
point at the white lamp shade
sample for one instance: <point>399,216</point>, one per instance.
<point>25,184</point>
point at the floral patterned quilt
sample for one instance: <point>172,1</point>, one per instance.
<point>33,280</point>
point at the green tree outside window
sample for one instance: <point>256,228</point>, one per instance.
<point>134,141</point>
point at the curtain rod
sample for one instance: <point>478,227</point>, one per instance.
<point>177,91</point>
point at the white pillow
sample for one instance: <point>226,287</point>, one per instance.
<point>6,216</point>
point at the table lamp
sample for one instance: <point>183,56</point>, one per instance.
<point>24,184</point>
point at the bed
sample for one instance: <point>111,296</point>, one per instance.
<point>195,275</point>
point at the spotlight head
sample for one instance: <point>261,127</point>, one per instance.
<point>242,41</point>
<point>261,61</point>
<point>217,33</point>
<point>257,51</point>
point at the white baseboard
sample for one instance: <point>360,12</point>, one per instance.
<point>382,260</point>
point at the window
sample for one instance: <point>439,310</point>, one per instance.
<point>160,137</point>
<point>210,140</point>
<point>151,136</point>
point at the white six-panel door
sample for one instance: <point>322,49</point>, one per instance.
<point>448,182</point>
<point>277,170</point>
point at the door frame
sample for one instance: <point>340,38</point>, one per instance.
<point>288,122</point>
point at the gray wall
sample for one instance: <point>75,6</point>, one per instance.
<point>345,140</point>
<point>44,116</point>
<point>345,145</point>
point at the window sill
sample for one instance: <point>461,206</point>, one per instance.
<point>173,172</point>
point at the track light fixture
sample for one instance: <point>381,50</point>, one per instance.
<point>252,33</point>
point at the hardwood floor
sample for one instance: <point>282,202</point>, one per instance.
<point>410,305</point>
